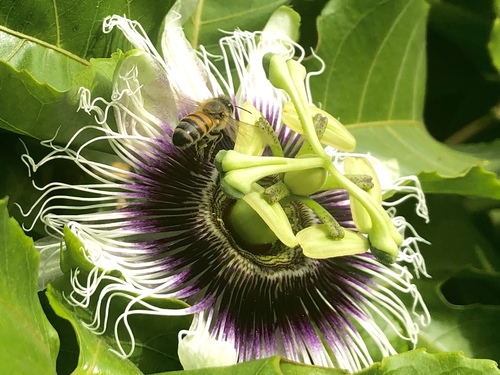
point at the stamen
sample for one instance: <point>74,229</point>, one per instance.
<point>276,192</point>
<point>333,227</point>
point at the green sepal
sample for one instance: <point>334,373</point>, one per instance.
<point>73,256</point>
<point>284,21</point>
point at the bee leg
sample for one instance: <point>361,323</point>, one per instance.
<point>214,138</point>
<point>200,151</point>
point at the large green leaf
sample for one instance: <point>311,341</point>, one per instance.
<point>422,363</point>
<point>44,59</point>
<point>209,17</point>
<point>463,292</point>
<point>416,362</point>
<point>441,169</point>
<point>374,81</point>
<point>41,111</point>
<point>374,53</point>
<point>474,181</point>
<point>272,365</point>
<point>73,28</point>
<point>29,344</point>
<point>486,151</point>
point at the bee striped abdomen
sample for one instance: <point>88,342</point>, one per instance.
<point>191,129</point>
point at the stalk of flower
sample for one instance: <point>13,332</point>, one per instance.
<point>258,238</point>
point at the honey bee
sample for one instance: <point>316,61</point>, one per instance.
<point>205,123</point>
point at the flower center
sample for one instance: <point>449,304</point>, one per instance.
<point>251,236</point>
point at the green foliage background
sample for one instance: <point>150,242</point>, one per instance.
<point>415,81</point>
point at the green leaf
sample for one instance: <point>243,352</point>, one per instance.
<point>95,353</point>
<point>272,365</point>
<point>375,60</point>
<point>408,146</point>
<point>411,147</point>
<point>475,181</point>
<point>210,16</point>
<point>28,342</point>
<point>75,28</point>
<point>21,53</point>
<point>420,362</point>
<point>374,82</point>
<point>462,293</point>
<point>413,362</point>
<point>494,44</point>
<point>50,111</point>
<point>44,60</point>
<point>486,151</point>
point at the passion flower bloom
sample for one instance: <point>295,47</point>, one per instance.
<point>277,246</point>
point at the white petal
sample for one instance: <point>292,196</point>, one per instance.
<point>198,350</point>
<point>186,72</point>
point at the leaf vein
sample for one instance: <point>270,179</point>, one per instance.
<point>376,58</point>
<point>421,61</point>
<point>412,148</point>
<point>15,50</point>
<point>239,14</point>
<point>197,22</point>
<point>399,76</point>
<point>56,20</point>
<point>339,49</point>
<point>42,43</point>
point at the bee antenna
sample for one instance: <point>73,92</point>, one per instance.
<point>243,109</point>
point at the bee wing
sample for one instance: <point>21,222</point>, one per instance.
<point>185,106</point>
<point>231,128</point>
<point>252,139</point>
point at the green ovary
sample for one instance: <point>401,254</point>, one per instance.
<point>305,182</point>
<point>249,225</point>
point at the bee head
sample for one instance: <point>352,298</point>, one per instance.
<point>226,102</point>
